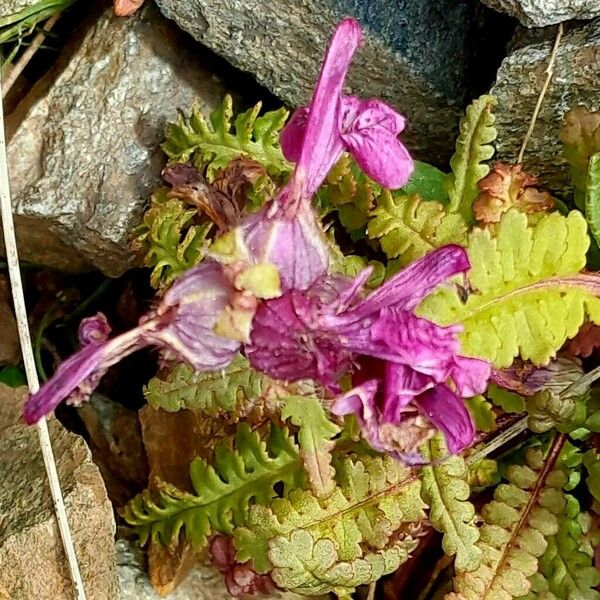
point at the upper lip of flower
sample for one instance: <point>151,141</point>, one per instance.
<point>317,135</point>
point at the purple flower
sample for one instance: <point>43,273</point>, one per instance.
<point>182,325</point>
<point>208,312</point>
<point>286,232</point>
<point>321,332</point>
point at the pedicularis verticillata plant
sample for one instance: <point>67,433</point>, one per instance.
<point>365,394</point>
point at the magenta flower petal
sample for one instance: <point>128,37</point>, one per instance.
<point>402,384</point>
<point>281,348</point>
<point>292,136</point>
<point>322,145</point>
<point>470,375</point>
<point>79,370</point>
<point>450,415</point>
<point>370,133</point>
<point>196,301</point>
<point>361,402</point>
<point>408,288</point>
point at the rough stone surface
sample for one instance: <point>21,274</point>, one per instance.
<point>539,13</point>
<point>86,154</point>
<point>204,582</point>
<point>520,78</point>
<point>417,54</point>
<point>32,564</point>
<point>9,7</point>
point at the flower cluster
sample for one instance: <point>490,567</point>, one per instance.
<point>266,289</point>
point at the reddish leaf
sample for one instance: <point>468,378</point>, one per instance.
<point>508,186</point>
<point>586,341</point>
<point>124,8</point>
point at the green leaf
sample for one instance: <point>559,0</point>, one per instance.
<point>517,525</point>
<point>567,568</point>
<point>591,460</point>
<point>315,440</point>
<point>528,296</point>
<point>482,412</point>
<point>171,242</point>
<point>364,530</point>
<point>508,401</point>
<point>352,265</point>
<point>12,376</point>
<point>547,409</point>
<point>222,493</point>
<point>409,227</point>
<point>484,473</point>
<point>446,490</point>
<point>213,144</point>
<point>351,193</point>
<point>214,392</point>
<point>592,197</point>
<point>428,182</point>
<point>474,145</point>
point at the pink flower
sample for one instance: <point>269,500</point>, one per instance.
<point>286,232</point>
<point>321,332</point>
<point>182,324</point>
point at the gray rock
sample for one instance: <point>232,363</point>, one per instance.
<point>417,54</point>
<point>520,78</point>
<point>539,13</point>
<point>86,154</point>
<point>10,7</point>
<point>32,563</point>
<point>203,583</point>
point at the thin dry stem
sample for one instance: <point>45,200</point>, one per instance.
<point>371,594</point>
<point>506,436</point>
<point>17,69</point>
<point>12,259</point>
<point>540,100</point>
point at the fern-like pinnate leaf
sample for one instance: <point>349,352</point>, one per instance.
<point>482,412</point>
<point>591,460</point>
<point>172,244</point>
<point>351,193</point>
<point>566,565</point>
<point>213,392</point>
<point>517,523</point>
<point>473,147</point>
<point>528,295</point>
<point>214,143</point>
<point>592,197</point>
<point>223,492</point>
<point>365,529</point>
<point>315,439</point>
<point>409,227</point>
<point>446,489</point>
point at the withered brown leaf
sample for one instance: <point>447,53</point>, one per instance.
<point>508,186</point>
<point>191,186</point>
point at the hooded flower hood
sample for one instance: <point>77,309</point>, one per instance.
<point>286,232</point>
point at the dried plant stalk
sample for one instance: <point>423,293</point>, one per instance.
<point>12,258</point>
